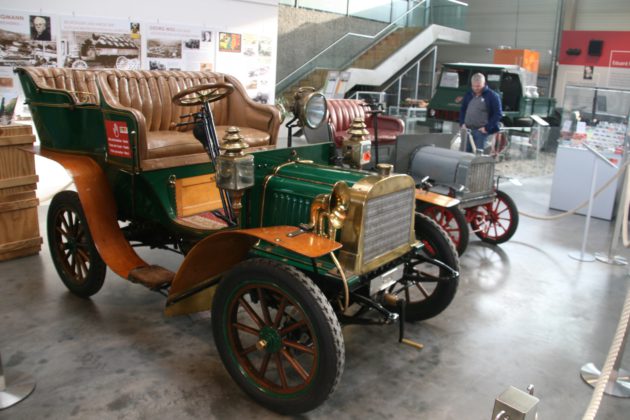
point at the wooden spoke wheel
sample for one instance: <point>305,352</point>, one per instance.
<point>71,246</point>
<point>278,336</point>
<point>495,222</point>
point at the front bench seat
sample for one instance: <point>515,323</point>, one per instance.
<point>341,113</point>
<point>148,95</point>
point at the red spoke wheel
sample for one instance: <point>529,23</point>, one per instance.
<point>453,222</point>
<point>427,298</point>
<point>277,336</point>
<point>71,246</point>
<point>496,222</point>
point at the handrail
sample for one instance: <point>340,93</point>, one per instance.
<point>388,28</point>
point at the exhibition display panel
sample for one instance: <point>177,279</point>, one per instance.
<point>597,117</point>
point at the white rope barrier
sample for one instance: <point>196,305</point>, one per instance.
<point>574,210</point>
<point>611,359</point>
<point>626,203</point>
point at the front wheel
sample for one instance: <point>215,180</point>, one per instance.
<point>278,336</point>
<point>71,246</point>
<point>426,299</point>
<point>495,222</point>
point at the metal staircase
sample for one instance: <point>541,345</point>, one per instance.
<point>375,59</point>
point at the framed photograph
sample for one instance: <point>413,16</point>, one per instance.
<point>40,28</point>
<point>588,72</point>
<point>229,42</point>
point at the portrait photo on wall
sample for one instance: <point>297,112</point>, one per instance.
<point>229,42</point>
<point>206,36</point>
<point>134,28</point>
<point>588,72</point>
<point>40,28</point>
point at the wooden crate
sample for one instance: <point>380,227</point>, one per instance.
<point>19,227</point>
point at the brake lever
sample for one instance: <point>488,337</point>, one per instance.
<point>193,114</point>
<point>181,124</point>
<point>425,184</point>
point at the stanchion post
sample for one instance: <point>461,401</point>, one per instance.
<point>618,384</point>
<point>611,258</point>
<point>15,390</point>
<point>582,256</point>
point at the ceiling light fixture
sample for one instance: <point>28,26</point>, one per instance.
<point>459,2</point>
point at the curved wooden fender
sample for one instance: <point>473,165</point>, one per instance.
<point>194,284</point>
<point>99,207</point>
<point>437,199</point>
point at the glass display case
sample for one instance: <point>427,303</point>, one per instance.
<point>596,115</point>
<point>600,117</point>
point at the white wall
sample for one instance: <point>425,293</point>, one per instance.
<point>520,24</point>
<point>241,16</point>
<point>602,15</point>
<point>235,15</point>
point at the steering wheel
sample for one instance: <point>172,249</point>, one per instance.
<point>197,95</point>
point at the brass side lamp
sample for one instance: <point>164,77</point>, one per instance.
<point>235,169</point>
<point>357,150</point>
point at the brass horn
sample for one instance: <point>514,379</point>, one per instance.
<point>338,208</point>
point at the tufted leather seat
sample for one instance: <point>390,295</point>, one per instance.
<point>341,112</point>
<point>80,84</point>
<point>148,95</point>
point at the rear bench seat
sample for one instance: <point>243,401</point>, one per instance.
<point>148,95</point>
<point>80,84</point>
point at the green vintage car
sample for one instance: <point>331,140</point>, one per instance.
<point>519,99</point>
<point>281,245</point>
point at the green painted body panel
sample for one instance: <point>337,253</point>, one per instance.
<point>290,192</point>
<point>324,264</point>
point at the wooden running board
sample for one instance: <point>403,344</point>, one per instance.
<point>152,276</point>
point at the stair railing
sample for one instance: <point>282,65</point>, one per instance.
<point>310,65</point>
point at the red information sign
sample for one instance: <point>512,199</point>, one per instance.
<point>117,139</point>
<point>620,59</point>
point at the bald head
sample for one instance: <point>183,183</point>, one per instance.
<point>477,83</point>
<point>40,24</point>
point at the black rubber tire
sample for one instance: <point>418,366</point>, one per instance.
<point>72,248</point>
<point>439,246</point>
<point>277,281</point>
<point>502,203</point>
<point>452,221</point>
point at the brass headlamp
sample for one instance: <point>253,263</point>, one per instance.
<point>235,169</point>
<point>309,107</point>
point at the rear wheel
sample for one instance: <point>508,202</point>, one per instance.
<point>71,246</point>
<point>496,222</point>
<point>426,299</point>
<point>452,221</point>
<point>277,336</point>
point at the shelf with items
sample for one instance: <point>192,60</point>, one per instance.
<point>596,115</point>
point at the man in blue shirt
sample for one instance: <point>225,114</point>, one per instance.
<point>480,112</point>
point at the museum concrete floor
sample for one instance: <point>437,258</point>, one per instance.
<point>525,313</point>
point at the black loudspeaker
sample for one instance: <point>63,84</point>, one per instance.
<point>574,51</point>
<point>595,47</point>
